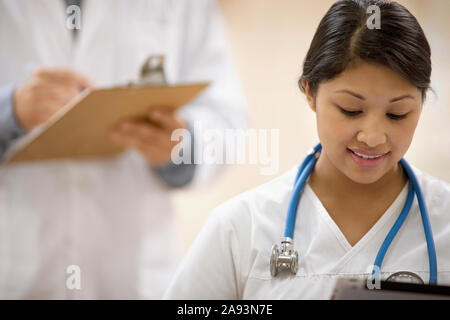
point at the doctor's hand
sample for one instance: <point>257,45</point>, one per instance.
<point>44,93</point>
<point>152,138</point>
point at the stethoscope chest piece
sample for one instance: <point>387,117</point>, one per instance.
<point>284,258</point>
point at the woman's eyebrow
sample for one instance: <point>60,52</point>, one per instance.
<point>405,96</point>
<point>356,95</point>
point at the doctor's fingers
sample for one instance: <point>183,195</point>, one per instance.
<point>54,97</point>
<point>38,89</point>
<point>145,133</point>
<point>166,119</point>
<point>155,155</point>
<point>48,104</point>
<point>65,77</point>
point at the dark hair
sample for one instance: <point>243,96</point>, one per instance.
<point>343,37</point>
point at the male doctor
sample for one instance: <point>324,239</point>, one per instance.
<point>102,228</point>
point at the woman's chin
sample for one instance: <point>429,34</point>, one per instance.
<point>364,176</point>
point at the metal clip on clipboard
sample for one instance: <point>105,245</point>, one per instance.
<point>152,72</point>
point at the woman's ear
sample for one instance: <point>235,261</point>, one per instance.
<point>309,96</point>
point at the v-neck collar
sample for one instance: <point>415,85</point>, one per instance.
<point>394,209</point>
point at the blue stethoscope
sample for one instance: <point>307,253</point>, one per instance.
<point>286,258</point>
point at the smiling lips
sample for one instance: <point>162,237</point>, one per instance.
<point>367,159</point>
<point>367,154</point>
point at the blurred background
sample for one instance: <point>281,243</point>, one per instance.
<point>268,41</point>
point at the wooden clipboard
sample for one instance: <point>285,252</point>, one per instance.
<point>80,129</point>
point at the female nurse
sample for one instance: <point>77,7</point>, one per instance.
<point>367,87</point>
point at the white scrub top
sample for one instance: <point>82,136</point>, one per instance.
<point>230,257</point>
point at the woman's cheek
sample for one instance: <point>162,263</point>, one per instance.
<point>335,127</point>
<point>402,138</point>
<point>402,135</point>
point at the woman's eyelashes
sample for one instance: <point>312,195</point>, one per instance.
<point>356,113</point>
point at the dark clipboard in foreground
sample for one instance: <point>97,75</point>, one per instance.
<point>352,289</point>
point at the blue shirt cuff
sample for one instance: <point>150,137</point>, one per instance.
<point>10,128</point>
<point>178,175</point>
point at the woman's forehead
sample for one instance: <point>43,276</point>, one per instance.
<point>369,80</point>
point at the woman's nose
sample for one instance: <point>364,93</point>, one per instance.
<point>372,132</point>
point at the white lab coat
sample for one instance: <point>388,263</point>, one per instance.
<point>110,217</point>
<point>230,257</point>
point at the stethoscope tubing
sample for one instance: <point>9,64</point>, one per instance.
<point>393,232</point>
<point>300,180</point>
<point>413,189</point>
<point>425,221</point>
